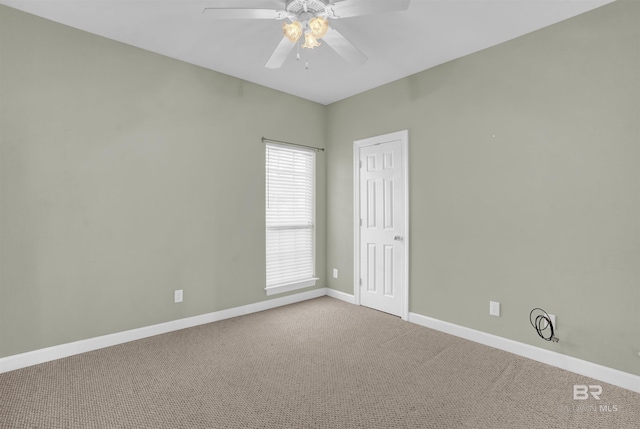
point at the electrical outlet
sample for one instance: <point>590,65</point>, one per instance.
<point>494,308</point>
<point>335,273</point>
<point>544,325</point>
<point>177,295</point>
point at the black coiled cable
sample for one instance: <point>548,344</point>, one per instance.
<point>541,323</point>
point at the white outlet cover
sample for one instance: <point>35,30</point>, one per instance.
<point>494,308</point>
<point>177,295</point>
<point>544,325</point>
<point>335,273</point>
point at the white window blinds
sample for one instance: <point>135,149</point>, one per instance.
<point>289,218</point>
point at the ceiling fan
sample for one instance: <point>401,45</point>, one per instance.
<point>309,18</point>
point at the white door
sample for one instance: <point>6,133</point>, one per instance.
<point>382,225</point>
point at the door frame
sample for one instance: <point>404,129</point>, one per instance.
<point>403,136</point>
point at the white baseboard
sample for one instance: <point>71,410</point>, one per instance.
<point>559,360</point>
<point>35,357</point>
<point>346,297</point>
<point>589,369</point>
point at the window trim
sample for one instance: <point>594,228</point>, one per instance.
<point>288,287</point>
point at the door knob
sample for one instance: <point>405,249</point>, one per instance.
<point>397,237</point>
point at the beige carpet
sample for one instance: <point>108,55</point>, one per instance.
<point>316,364</point>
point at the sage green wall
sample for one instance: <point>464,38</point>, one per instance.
<point>524,184</point>
<point>126,175</point>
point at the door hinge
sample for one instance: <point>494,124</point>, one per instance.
<point>360,282</point>
<point>360,222</point>
<point>360,164</point>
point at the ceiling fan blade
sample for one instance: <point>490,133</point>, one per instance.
<point>349,8</point>
<point>281,53</point>
<point>223,13</point>
<point>345,48</point>
<point>247,4</point>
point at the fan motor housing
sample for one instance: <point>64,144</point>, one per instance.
<point>312,6</point>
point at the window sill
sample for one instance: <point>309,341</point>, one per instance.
<point>288,287</point>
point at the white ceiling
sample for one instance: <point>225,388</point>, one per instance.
<point>429,33</point>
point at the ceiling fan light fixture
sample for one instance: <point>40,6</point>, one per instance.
<point>310,41</point>
<point>318,27</point>
<point>292,31</point>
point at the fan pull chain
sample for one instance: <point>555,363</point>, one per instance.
<point>307,55</point>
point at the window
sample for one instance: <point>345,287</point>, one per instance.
<point>290,177</point>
